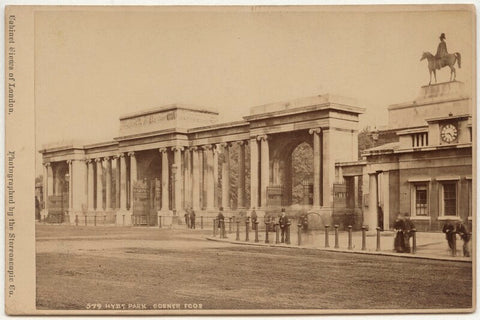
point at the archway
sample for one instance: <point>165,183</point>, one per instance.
<point>292,169</point>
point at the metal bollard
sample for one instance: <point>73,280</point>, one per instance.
<point>104,219</point>
<point>277,233</point>
<point>123,219</point>
<point>378,238</point>
<point>230,224</point>
<point>159,221</point>
<point>454,249</point>
<point>336,236</point>
<point>299,232</point>
<point>247,221</point>
<point>350,246</point>
<point>327,245</point>
<point>238,231</point>
<point>85,220</point>
<point>414,240</point>
<point>364,238</point>
<point>95,220</point>
<point>256,231</point>
<point>76,220</point>
<point>287,240</point>
<point>201,222</point>
<point>214,227</point>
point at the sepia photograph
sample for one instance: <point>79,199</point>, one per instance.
<point>240,160</point>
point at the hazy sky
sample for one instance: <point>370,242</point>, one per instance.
<point>91,66</point>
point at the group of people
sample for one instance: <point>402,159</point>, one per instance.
<point>404,229</point>
<point>451,230</point>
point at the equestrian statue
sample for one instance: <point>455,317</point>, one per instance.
<point>442,59</point>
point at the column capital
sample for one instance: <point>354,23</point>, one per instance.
<point>107,158</point>
<point>194,148</point>
<point>315,130</point>
<point>207,147</point>
<point>242,142</point>
<point>69,161</point>
<point>262,137</point>
<point>98,160</point>
<point>177,148</point>
<point>47,164</point>
<point>162,150</point>
<point>131,154</point>
<point>88,160</point>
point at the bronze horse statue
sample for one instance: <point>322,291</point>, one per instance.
<point>447,60</point>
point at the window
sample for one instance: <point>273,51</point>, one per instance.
<point>421,203</point>
<point>419,139</point>
<point>450,199</point>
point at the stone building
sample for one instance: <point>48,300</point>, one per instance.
<point>166,159</point>
<point>425,171</point>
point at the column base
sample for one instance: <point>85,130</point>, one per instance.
<point>123,218</point>
<point>166,217</point>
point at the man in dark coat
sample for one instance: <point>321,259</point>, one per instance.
<point>399,227</point>
<point>221,222</point>
<point>449,230</point>
<point>465,236</point>
<point>283,223</point>
<point>408,233</point>
<point>192,218</point>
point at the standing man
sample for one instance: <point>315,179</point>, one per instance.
<point>192,218</point>
<point>221,222</point>
<point>449,230</point>
<point>283,221</point>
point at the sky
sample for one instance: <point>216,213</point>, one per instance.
<point>94,65</point>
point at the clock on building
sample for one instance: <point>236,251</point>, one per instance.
<point>449,133</point>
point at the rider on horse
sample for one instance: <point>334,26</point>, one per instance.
<point>441,51</point>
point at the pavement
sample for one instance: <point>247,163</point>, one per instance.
<point>430,245</point>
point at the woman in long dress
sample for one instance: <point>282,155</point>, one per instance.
<point>399,227</point>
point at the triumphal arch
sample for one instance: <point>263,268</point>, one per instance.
<point>165,160</point>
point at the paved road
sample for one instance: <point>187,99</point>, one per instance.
<point>78,266</point>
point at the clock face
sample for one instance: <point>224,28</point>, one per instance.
<point>449,133</point>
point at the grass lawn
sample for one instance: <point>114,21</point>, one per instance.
<point>81,265</point>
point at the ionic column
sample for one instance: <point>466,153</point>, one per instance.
<point>178,179</point>
<point>241,175</point>
<point>372,217</point>
<point>196,178</point>
<point>328,169</point>
<point>108,184</point>
<point>50,179</point>
<point>215,151</point>
<point>99,185</point>
<point>265,173</point>
<point>70,191</point>
<point>117,181</point>
<point>208,149</point>
<point>79,179</point>
<point>316,165</point>
<point>253,173</point>
<point>133,176</point>
<point>123,183</point>
<point>45,188</point>
<point>90,186</point>
<point>165,179</point>
<point>225,176</point>
<point>187,179</point>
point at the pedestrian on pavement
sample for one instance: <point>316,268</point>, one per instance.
<point>221,222</point>
<point>409,226</point>
<point>192,218</point>
<point>399,228</point>
<point>283,223</point>
<point>462,231</point>
<point>187,218</point>
<point>449,230</point>
<point>253,217</point>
